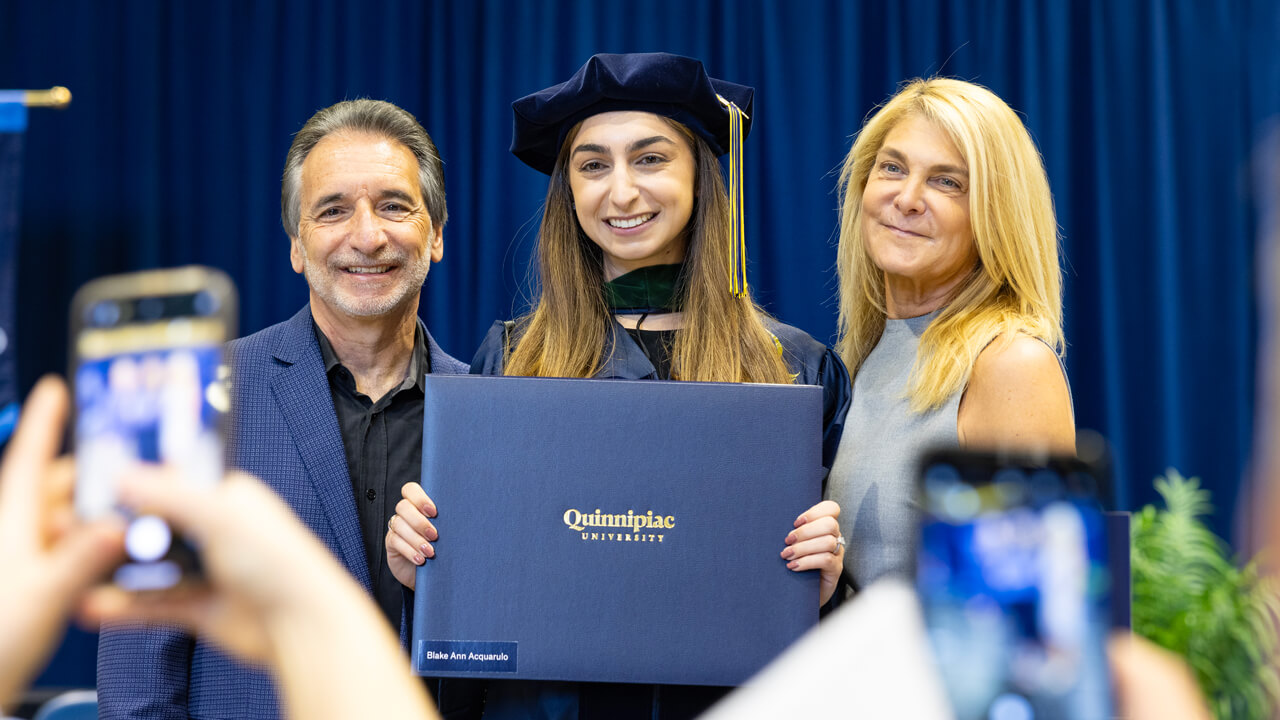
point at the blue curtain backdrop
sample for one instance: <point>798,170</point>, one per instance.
<point>1146,113</point>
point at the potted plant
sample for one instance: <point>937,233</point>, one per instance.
<point>1190,596</point>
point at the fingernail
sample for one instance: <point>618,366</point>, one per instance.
<point>788,553</point>
<point>430,551</point>
<point>800,521</point>
<point>424,548</point>
<point>429,510</point>
<point>791,537</point>
<point>418,559</point>
<point>432,535</point>
<point>793,565</point>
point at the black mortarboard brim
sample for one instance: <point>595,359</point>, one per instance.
<point>669,85</point>
<point>673,86</point>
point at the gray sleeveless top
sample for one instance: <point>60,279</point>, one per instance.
<point>873,476</point>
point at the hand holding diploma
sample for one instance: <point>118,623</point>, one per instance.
<point>410,533</point>
<point>816,544</point>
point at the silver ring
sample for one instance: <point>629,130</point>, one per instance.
<point>839,543</point>
<point>391,520</point>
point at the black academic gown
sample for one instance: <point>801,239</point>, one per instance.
<point>813,363</point>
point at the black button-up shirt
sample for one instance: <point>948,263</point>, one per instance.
<point>383,442</point>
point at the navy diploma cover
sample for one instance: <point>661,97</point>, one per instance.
<point>614,530</point>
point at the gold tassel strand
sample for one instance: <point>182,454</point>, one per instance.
<point>737,214</point>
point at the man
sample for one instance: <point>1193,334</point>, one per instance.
<point>327,406</point>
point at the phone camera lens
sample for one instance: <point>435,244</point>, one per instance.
<point>205,303</point>
<point>104,314</point>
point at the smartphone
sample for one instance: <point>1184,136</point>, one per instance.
<point>1013,581</point>
<point>150,385</point>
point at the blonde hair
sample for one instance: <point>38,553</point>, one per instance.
<point>723,338</point>
<point>1016,285</point>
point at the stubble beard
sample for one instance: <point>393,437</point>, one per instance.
<point>323,280</point>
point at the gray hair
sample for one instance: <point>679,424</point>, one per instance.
<point>371,116</point>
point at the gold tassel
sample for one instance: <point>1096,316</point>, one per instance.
<point>737,216</point>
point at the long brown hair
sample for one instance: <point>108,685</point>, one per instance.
<point>723,337</point>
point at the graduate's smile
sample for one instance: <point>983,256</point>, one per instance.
<point>630,223</point>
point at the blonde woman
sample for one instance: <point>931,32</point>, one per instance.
<point>641,277</point>
<point>950,305</point>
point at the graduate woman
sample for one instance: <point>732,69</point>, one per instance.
<point>642,276</point>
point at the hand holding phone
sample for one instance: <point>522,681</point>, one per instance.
<point>47,563</point>
<point>150,386</point>
<point>1013,582</point>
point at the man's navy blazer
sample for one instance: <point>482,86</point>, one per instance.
<point>284,430</point>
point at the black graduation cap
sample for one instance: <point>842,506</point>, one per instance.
<point>669,85</point>
<point>673,86</point>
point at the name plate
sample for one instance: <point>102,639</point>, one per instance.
<point>437,656</point>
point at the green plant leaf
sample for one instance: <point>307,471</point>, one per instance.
<point>1191,597</point>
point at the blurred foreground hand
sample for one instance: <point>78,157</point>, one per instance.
<point>1152,683</point>
<point>48,560</point>
<point>272,593</point>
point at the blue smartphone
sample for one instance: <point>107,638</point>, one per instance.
<point>150,385</point>
<point>1013,581</point>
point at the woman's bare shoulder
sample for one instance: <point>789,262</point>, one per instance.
<point>1017,397</point>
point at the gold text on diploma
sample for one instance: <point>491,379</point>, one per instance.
<point>629,523</point>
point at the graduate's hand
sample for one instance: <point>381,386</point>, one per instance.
<point>815,545</point>
<point>410,534</point>
<point>47,558</point>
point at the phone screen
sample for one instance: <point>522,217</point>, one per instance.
<point>150,386</point>
<point>1013,581</point>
